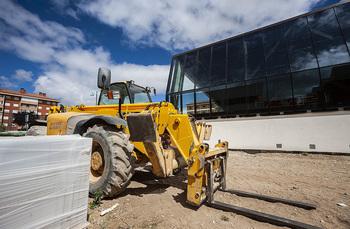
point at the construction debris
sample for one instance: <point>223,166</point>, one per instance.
<point>109,209</point>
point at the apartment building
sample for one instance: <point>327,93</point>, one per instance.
<point>13,102</point>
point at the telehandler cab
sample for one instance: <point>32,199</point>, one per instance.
<point>128,128</point>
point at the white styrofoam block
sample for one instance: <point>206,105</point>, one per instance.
<point>44,181</point>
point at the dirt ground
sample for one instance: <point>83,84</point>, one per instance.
<point>152,202</point>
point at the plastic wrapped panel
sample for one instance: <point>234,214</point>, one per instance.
<point>44,181</point>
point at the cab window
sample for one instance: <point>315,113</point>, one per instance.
<point>121,87</point>
<point>139,94</point>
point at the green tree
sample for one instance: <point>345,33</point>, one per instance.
<point>21,120</point>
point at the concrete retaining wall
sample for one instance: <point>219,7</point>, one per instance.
<point>310,132</point>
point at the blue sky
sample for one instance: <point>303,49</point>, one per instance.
<point>57,46</point>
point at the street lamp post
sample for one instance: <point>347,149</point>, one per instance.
<point>94,93</point>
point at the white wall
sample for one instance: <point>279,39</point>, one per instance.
<point>328,131</point>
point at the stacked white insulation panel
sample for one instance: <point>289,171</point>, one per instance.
<point>44,181</point>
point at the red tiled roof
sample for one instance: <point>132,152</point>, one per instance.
<point>26,94</point>
<point>200,102</point>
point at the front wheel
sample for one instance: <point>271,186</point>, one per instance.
<point>111,168</point>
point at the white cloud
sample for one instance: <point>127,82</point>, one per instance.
<point>6,83</point>
<point>22,75</point>
<point>63,7</point>
<point>13,81</point>
<point>152,75</point>
<point>60,4</point>
<point>69,71</point>
<point>32,39</point>
<point>182,24</point>
<point>74,76</point>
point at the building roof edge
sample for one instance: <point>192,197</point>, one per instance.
<point>26,95</point>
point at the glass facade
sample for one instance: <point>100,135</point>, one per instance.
<point>297,65</point>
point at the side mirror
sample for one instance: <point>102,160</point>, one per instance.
<point>148,89</point>
<point>113,94</point>
<point>103,78</point>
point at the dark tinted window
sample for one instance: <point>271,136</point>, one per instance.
<point>254,56</point>
<point>235,61</point>
<point>328,40</point>
<point>171,76</point>
<point>300,49</point>
<point>175,100</point>
<point>256,96</point>
<point>190,71</point>
<point>218,69</point>
<point>202,102</point>
<point>343,13</point>
<point>218,96</point>
<point>188,103</point>
<point>336,86</point>
<point>280,93</point>
<point>203,75</point>
<point>178,65</point>
<point>236,98</point>
<point>230,77</point>
<point>275,50</point>
<point>307,90</point>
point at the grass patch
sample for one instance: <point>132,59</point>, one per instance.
<point>97,199</point>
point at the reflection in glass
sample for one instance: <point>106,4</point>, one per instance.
<point>254,56</point>
<point>328,40</point>
<point>307,91</point>
<point>188,103</point>
<point>203,75</point>
<point>202,102</point>
<point>280,92</point>
<point>190,71</point>
<point>218,69</point>
<point>172,75</point>
<point>176,77</point>
<point>343,14</point>
<point>300,49</point>
<point>275,51</point>
<point>256,95</point>
<point>236,103</point>
<point>230,77</point>
<point>235,61</point>
<point>336,86</point>
<point>217,95</point>
<point>175,100</point>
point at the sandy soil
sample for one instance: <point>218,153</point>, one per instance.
<point>152,202</point>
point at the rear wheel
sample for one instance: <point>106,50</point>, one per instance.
<point>111,167</point>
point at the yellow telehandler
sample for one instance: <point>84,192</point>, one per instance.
<point>128,128</point>
<point>158,134</point>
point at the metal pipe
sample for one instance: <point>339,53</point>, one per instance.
<point>276,220</point>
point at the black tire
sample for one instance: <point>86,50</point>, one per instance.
<point>36,131</point>
<point>116,168</point>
